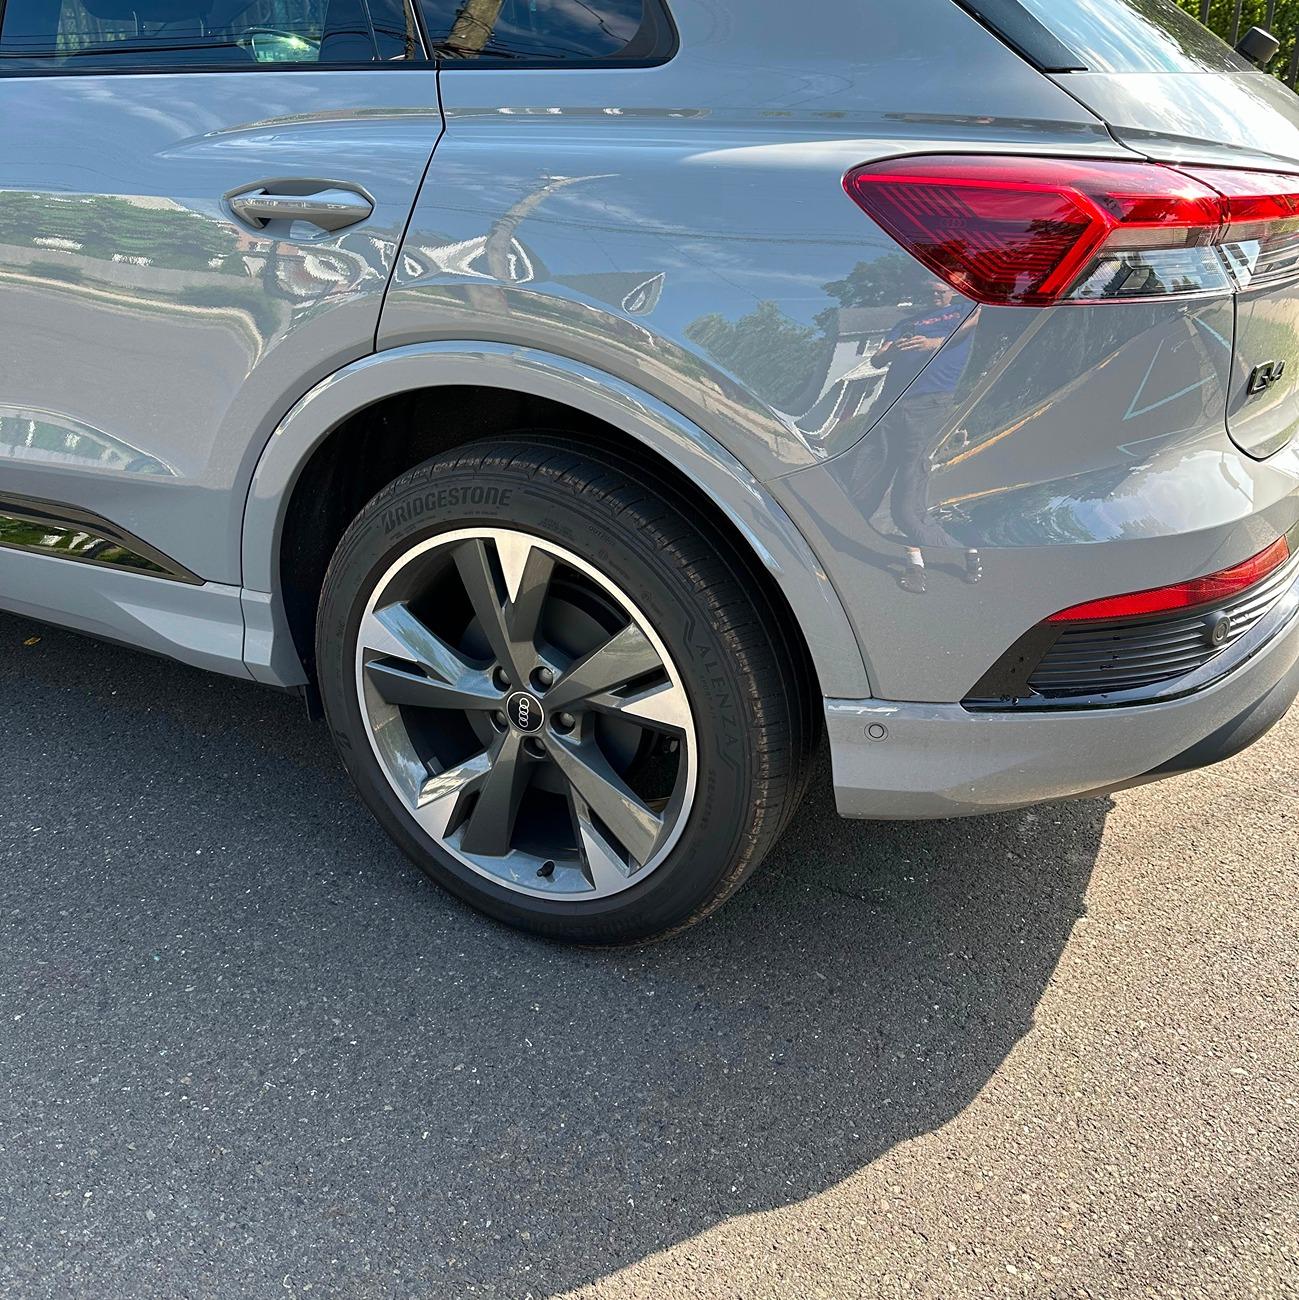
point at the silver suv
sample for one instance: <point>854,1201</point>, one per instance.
<point>586,405</point>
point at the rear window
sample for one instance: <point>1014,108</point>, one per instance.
<point>550,31</point>
<point>165,35</point>
<point>1135,36</point>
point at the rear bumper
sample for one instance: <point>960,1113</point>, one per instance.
<point>901,761</point>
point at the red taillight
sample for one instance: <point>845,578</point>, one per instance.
<point>1038,231</point>
<point>1252,196</point>
<point>1211,590</point>
<point>1260,235</point>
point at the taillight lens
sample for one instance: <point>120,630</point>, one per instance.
<point>1038,231</point>
<point>1210,590</point>
<point>1260,238</point>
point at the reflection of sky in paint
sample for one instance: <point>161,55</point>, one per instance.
<point>1151,396</point>
<point>1134,36</point>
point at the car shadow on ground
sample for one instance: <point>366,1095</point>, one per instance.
<point>276,1055</point>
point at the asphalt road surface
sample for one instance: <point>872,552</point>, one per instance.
<point>247,1051</point>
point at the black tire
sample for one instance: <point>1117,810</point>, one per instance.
<point>741,667</point>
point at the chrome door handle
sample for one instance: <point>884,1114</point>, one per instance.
<point>330,209</point>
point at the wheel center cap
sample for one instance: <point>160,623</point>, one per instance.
<point>525,712</point>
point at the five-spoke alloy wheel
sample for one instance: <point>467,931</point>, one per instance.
<point>526,712</point>
<point>564,691</point>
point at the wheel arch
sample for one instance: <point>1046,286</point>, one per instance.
<point>343,417</point>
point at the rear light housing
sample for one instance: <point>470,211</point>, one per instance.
<point>1034,232</point>
<point>1211,590</point>
<point>1260,238</point>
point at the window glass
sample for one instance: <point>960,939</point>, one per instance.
<point>549,31</point>
<point>1135,36</point>
<point>156,34</point>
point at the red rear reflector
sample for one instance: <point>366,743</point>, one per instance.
<point>1211,590</point>
<point>1038,231</point>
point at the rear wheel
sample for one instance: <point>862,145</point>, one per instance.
<point>558,692</point>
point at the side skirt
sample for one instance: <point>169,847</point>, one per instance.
<point>199,623</point>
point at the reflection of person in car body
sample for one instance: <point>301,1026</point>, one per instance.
<point>907,432</point>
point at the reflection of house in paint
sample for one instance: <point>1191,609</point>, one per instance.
<point>480,258</point>
<point>59,440</point>
<point>852,381</point>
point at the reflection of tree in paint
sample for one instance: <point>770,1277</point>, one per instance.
<point>135,246</point>
<point>766,350</point>
<point>41,436</point>
<point>104,226</point>
<point>793,367</point>
<point>885,282</point>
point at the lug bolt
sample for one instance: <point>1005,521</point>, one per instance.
<point>565,722</point>
<point>544,678</point>
<point>500,679</point>
<point>535,748</point>
<point>500,720</point>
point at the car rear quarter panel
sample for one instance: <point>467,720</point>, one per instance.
<point>684,227</point>
<point>1083,452</point>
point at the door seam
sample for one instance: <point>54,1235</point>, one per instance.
<point>410,216</point>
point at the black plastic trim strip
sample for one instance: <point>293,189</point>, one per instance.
<point>65,532</point>
<point>1014,25</point>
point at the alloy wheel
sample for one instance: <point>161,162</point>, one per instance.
<point>526,713</point>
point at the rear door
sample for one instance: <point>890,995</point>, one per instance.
<point>200,206</point>
<point>1170,89</point>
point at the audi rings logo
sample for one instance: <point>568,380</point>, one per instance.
<point>525,712</point>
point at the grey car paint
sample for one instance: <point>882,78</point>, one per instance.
<point>675,242</point>
<point>139,307</point>
<point>1240,119</point>
<point>199,625</point>
<point>1084,452</point>
<point>1267,335</point>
